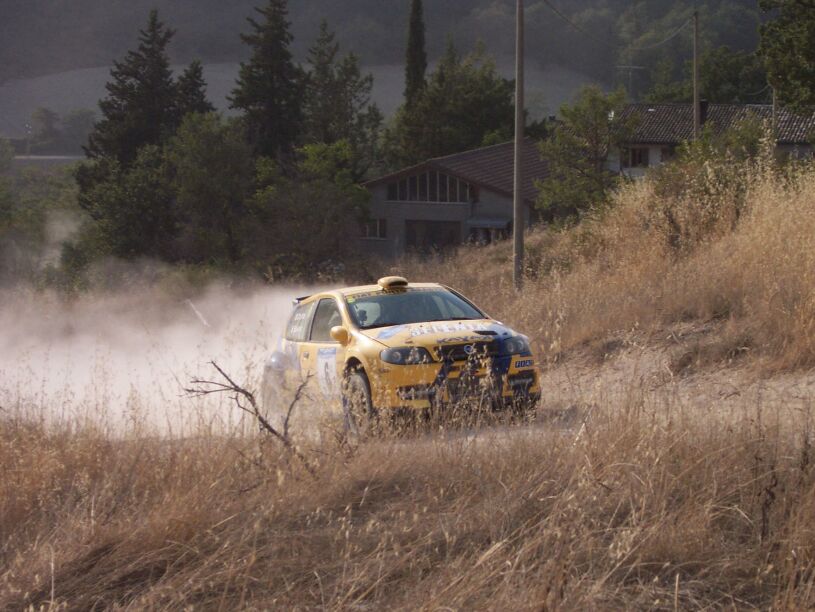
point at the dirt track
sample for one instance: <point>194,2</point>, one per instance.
<point>669,368</point>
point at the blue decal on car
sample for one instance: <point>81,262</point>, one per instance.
<point>390,332</point>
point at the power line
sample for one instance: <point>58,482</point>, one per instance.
<point>673,35</point>
<point>611,45</point>
<point>759,92</point>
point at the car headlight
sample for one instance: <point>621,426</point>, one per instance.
<point>517,345</point>
<point>408,355</point>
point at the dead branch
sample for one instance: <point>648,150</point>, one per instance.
<point>246,401</point>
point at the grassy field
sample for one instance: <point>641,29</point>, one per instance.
<point>650,489</point>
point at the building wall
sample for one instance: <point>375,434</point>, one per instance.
<point>655,158</point>
<point>490,205</point>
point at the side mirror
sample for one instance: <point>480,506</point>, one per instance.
<point>340,334</point>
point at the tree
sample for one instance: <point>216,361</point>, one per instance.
<point>132,207</point>
<point>466,103</point>
<point>299,223</point>
<point>77,126</point>
<point>338,102</point>
<point>725,77</point>
<point>192,91</point>
<point>46,135</point>
<point>141,107</point>
<point>577,153</point>
<point>416,56</point>
<point>211,165</point>
<point>788,48</point>
<point>320,105</point>
<point>6,156</point>
<point>7,211</point>
<point>270,86</point>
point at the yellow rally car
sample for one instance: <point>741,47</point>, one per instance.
<point>400,345</point>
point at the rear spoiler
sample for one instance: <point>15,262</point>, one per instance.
<point>298,301</point>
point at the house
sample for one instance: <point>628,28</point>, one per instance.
<point>660,128</point>
<point>449,200</point>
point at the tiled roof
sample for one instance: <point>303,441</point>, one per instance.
<point>488,167</point>
<point>673,123</point>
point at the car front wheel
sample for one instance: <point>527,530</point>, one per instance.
<point>360,415</point>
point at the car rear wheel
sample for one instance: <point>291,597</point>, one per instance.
<point>360,415</point>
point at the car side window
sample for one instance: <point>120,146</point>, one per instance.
<point>297,329</point>
<point>326,317</point>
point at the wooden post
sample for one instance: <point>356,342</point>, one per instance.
<point>697,110</point>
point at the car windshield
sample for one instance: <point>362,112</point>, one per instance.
<point>378,309</point>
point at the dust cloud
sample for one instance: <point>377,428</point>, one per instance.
<point>120,361</point>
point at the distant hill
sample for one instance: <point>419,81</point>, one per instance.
<point>58,54</point>
<point>39,37</point>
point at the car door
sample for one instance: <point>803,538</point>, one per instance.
<point>322,356</point>
<point>295,338</point>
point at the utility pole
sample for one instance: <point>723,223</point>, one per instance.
<point>697,110</point>
<point>519,216</point>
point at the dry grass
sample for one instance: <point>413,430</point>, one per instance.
<point>645,506</point>
<point>637,501</point>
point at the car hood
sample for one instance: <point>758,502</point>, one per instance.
<point>439,332</point>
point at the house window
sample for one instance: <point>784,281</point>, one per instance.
<point>413,194</point>
<point>431,187</point>
<point>443,187</point>
<point>635,157</point>
<point>375,229</point>
<point>393,192</point>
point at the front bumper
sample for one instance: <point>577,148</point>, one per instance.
<point>502,379</point>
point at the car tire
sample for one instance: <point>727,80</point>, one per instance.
<point>358,409</point>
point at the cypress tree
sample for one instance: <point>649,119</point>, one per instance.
<point>416,61</point>
<point>269,88</point>
<point>320,109</point>
<point>338,103</point>
<point>192,96</point>
<point>140,108</point>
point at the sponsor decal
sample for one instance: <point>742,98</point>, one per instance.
<point>442,328</point>
<point>462,339</point>
<point>390,332</point>
<point>427,329</point>
<point>327,371</point>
